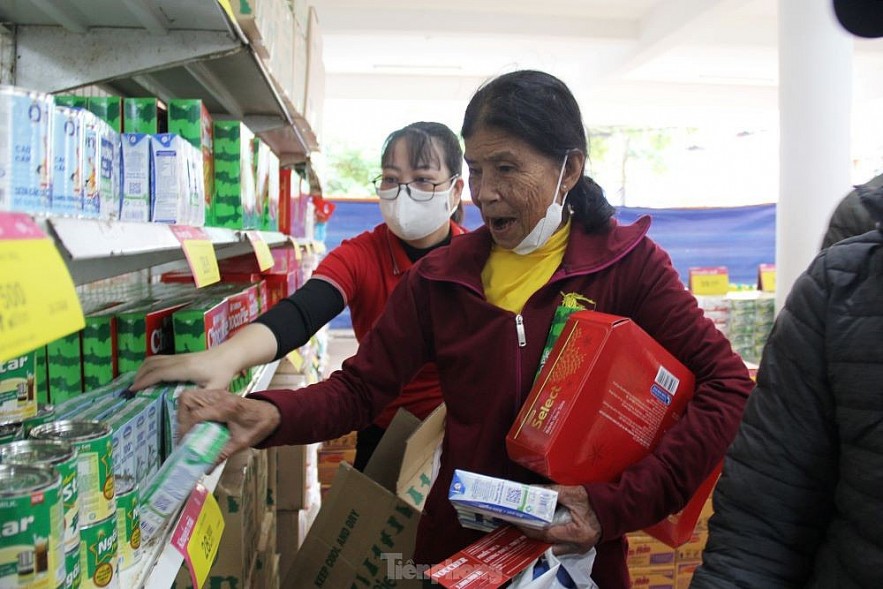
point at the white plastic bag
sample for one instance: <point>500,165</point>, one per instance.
<point>568,571</point>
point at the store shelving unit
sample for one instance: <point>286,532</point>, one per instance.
<point>168,49</point>
<point>160,561</point>
<point>95,249</point>
<point>163,48</point>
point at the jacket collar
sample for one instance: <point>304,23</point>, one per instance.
<point>586,253</point>
<point>398,258</point>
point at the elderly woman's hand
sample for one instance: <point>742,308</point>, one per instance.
<point>577,535</point>
<point>250,421</point>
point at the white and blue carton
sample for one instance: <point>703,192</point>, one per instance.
<point>526,505</point>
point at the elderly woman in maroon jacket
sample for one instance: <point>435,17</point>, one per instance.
<point>481,308</point>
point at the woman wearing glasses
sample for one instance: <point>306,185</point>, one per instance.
<point>419,191</point>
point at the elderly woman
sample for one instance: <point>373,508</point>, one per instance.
<point>481,308</point>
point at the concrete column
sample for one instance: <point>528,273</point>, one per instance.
<point>815,95</point>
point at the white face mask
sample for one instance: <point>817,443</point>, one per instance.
<point>546,226</point>
<point>411,220</point>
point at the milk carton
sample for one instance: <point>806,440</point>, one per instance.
<point>136,172</point>
<point>25,150</point>
<point>68,146</point>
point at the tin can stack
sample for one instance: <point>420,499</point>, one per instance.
<point>98,547</point>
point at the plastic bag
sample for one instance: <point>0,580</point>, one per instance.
<point>568,571</point>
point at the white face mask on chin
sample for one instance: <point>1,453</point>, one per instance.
<point>412,220</point>
<point>546,226</point>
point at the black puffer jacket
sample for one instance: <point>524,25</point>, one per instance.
<point>800,503</point>
<point>851,217</point>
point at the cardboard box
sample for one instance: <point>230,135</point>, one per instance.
<point>363,530</point>
<point>65,367</point>
<point>684,574</point>
<point>236,497</point>
<point>653,577</point>
<point>145,331</point>
<point>646,551</point>
<point>603,400</point>
<point>295,473</point>
<point>68,145</point>
<point>137,173</point>
<point>234,178</point>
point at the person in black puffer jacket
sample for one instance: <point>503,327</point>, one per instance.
<point>851,217</point>
<point>800,502</point>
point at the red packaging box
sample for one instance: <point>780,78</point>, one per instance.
<point>603,400</point>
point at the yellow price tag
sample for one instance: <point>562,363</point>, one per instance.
<point>201,258</point>
<point>261,250</point>
<point>38,301</point>
<point>766,278</point>
<point>198,533</point>
<point>200,254</point>
<point>296,360</point>
<point>297,254</point>
<point>709,281</point>
<point>225,4</point>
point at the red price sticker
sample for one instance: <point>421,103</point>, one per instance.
<point>200,254</point>
<point>31,313</point>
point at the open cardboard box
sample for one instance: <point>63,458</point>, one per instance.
<point>364,532</point>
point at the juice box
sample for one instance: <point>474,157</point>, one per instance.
<point>25,150</point>
<point>136,175</point>
<point>170,183</point>
<point>201,325</point>
<point>109,109</point>
<point>234,179</point>
<point>527,505</point>
<point>190,119</point>
<point>68,146</point>
<point>64,367</point>
<point>145,331</point>
<point>141,115</point>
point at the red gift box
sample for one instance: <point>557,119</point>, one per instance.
<point>603,400</point>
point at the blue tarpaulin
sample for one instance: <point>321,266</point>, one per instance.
<point>740,238</point>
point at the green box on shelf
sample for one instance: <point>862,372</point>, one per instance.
<point>234,180</point>
<point>201,325</point>
<point>141,115</point>
<point>72,100</point>
<point>190,119</point>
<point>41,378</point>
<point>109,109</point>
<point>145,330</point>
<point>64,368</point>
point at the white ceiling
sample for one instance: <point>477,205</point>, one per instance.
<point>630,62</point>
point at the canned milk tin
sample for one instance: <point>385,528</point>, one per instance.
<point>128,521</point>
<point>72,568</point>
<point>17,381</point>
<point>45,414</point>
<point>31,524</point>
<point>99,563</point>
<point>92,439</point>
<point>63,457</point>
<point>9,432</point>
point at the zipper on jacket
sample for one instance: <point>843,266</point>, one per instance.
<point>519,329</point>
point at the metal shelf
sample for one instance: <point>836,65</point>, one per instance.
<point>94,249</point>
<point>164,48</point>
<point>160,561</point>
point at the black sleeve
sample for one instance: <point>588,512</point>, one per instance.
<point>294,320</point>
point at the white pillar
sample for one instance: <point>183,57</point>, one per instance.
<point>815,95</point>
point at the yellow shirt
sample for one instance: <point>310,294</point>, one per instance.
<point>509,278</point>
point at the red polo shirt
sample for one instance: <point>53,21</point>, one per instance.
<point>365,269</point>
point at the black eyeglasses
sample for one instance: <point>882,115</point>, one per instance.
<point>418,190</point>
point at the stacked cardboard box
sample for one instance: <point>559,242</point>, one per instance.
<point>654,564</point>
